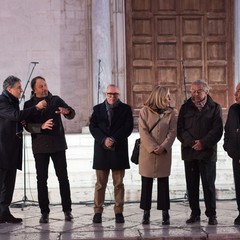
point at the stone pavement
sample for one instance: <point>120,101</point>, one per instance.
<point>83,228</point>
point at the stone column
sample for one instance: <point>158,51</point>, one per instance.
<point>119,46</point>
<point>101,48</point>
<point>237,40</point>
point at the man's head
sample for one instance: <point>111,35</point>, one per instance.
<point>199,90</point>
<point>13,85</point>
<point>112,94</point>
<point>39,87</point>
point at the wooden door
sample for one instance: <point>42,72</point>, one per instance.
<point>169,41</point>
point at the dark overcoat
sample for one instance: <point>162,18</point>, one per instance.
<point>10,131</point>
<point>232,132</point>
<point>45,140</point>
<point>120,129</point>
<point>205,125</point>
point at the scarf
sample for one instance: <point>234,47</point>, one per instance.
<point>110,112</point>
<point>200,104</point>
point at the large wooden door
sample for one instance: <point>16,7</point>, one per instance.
<point>169,41</point>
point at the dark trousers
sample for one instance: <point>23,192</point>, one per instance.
<point>7,184</point>
<point>60,166</point>
<point>207,171</point>
<point>236,175</point>
<point>163,200</point>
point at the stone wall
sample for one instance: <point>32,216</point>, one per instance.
<point>56,34</point>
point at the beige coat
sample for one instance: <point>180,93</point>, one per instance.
<point>150,164</point>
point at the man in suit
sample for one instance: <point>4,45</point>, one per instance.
<point>110,124</point>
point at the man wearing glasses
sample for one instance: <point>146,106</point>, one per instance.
<point>111,124</point>
<point>199,128</point>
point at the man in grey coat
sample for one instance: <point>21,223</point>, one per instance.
<point>110,124</point>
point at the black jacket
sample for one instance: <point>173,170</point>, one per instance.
<point>205,125</point>
<point>232,132</point>
<point>121,128</point>
<point>48,141</point>
<point>10,131</point>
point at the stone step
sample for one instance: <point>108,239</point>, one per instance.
<point>82,176</point>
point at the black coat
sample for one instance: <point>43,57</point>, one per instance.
<point>232,132</point>
<point>121,128</point>
<point>10,141</point>
<point>48,141</point>
<point>205,125</point>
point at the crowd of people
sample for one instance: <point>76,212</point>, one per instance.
<point>198,125</point>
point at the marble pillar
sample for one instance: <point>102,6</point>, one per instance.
<point>101,48</point>
<point>237,41</point>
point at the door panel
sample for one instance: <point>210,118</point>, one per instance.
<point>172,41</point>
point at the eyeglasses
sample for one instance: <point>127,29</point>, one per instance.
<point>199,91</point>
<point>112,94</point>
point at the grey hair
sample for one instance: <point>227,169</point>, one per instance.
<point>10,81</point>
<point>203,83</point>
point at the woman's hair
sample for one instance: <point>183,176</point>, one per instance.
<point>33,82</point>
<point>157,98</point>
<point>10,81</point>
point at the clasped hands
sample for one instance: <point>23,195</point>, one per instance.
<point>197,145</point>
<point>108,142</point>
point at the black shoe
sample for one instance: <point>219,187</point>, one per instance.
<point>212,220</point>
<point>119,218</point>
<point>146,217</point>
<point>97,218</point>
<point>44,218</point>
<point>10,219</point>
<point>193,219</point>
<point>165,218</point>
<point>68,216</point>
<point>237,220</point>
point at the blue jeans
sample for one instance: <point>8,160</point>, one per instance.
<point>60,166</point>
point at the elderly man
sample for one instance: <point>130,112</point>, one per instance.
<point>110,124</point>
<point>199,129</point>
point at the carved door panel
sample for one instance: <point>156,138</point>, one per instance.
<point>169,41</point>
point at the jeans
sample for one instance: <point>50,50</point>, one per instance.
<point>60,166</point>
<point>100,189</point>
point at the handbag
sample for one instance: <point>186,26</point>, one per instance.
<point>136,148</point>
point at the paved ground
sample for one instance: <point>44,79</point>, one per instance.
<point>83,228</point>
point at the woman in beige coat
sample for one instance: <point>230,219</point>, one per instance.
<point>156,150</point>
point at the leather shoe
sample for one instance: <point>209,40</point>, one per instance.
<point>44,218</point>
<point>146,217</point>
<point>97,218</point>
<point>193,219</point>
<point>165,218</point>
<point>212,220</point>
<point>68,216</point>
<point>119,218</point>
<point>10,219</point>
<point>237,220</point>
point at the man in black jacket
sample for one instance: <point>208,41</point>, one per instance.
<point>110,124</point>
<point>48,140</point>
<point>232,144</point>
<point>199,128</point>
<point>11,142</point>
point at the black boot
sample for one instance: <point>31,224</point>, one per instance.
<point>146,217</point>
<point>165,217</point>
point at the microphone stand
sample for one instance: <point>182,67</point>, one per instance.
<point>184,81</point>
<point>24,200</point>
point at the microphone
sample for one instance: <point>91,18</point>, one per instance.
<point>35,62</point>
